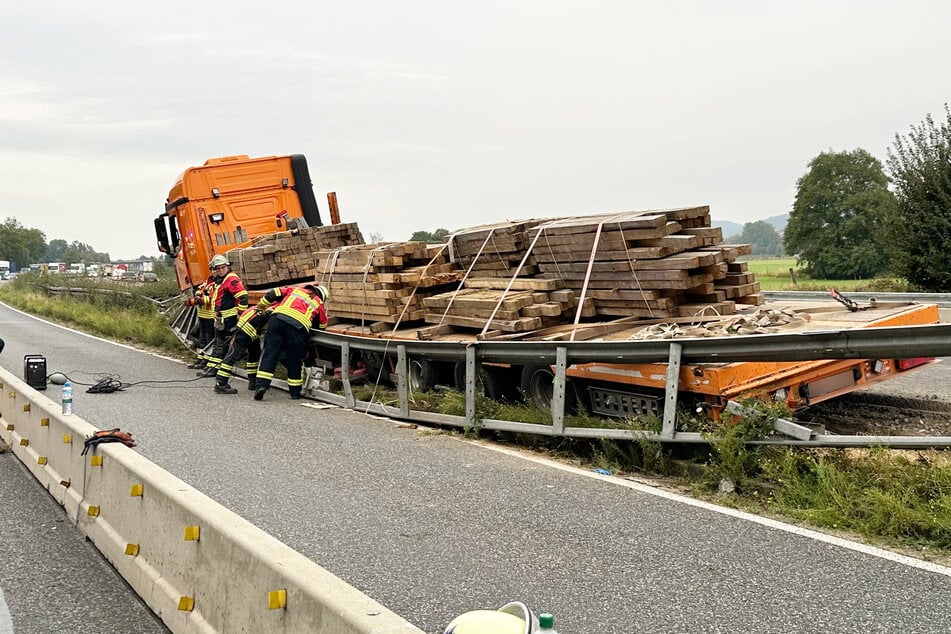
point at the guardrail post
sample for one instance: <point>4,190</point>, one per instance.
<point>470,386</point>
<point>345,374</point>
<point>558,391</point>
<point>402,384</point>
<point>672,386</point>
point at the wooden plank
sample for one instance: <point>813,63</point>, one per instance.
<point>516,325</point>
<point>533,284</point>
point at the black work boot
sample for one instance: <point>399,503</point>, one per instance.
<point>252,384</point>
<point>208,371</point>
<point>224,388</point>
<point>294,392</point>
<point>198,364</point>
<point>259,393</point>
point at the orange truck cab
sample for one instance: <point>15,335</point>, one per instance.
<point>228,201</point>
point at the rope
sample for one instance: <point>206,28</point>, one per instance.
<point>528,252</point>
<point>465,277</point>
<point>587,275</point>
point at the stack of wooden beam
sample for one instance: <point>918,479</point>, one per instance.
<point>528,304</point>
<point>496,249</point>
<point>384,283</point>
<point>662,263</point>
<point>288,256</point>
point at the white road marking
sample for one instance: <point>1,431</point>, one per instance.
<point>6,624</point>
<point>86,334</point>
<point>743,515</point>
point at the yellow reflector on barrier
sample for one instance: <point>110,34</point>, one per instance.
<point>95,461</point>
<point>9,426</point>
<point>186,604</point>
<point>25,442</point>
<point>192,533</point>
<point>277,600</point>
<point>65,483</point>
<point>93,511</point>
<point>68,439</point>
<point>26,407</point>
<point>136,491</point>
<point>132,549</point>
<point>41,460</point>
<point>44,422</point>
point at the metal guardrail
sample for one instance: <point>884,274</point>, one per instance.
<point>943,300</point>
<point>866,343</point>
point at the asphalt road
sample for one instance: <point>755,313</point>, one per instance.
<point>432,525</point>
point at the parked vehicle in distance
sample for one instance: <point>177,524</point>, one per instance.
<point>148,276</point>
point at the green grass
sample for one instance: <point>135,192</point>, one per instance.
<point>773,274</point>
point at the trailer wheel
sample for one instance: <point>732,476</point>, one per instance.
<point>490,382</point>
<point>422,374</point>
<point>537,385</point>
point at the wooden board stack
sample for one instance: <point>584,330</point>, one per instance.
<point>497,249</point>
<point>382,284</point>
<point>528,305</point>
<point>654,264</point>
<point>288,256</point>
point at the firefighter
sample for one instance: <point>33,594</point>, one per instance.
<point>246,341</point>
<point>204,301</point>
<point>295,310</point>
<point>230,299</point>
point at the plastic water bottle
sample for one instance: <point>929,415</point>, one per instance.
<point>67,399</point>
<point>546,624</point>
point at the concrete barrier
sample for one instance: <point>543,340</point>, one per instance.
<point>199,566</point>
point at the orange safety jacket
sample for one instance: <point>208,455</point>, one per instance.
<point>205,299</point>
<point>231,296</point>
<point>300,304</point>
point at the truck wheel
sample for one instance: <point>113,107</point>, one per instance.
<point>422,375</point>
<point>538,387</point>
<point>491,382</point>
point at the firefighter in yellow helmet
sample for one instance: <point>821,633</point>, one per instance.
<point>511,618</point>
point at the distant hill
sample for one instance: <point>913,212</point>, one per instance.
<point>736,228</point>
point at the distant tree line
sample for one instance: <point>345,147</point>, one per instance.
<point>25,246</point>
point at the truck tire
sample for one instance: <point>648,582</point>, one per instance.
<point>538,386</point>
<point>422,374</point>
<point>491,382</point>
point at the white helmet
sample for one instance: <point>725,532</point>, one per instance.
<point>218,260</point>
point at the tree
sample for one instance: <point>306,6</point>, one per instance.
<point>439,235</point>
<point>21,245</point>
<point>762,237</point>
<point>55,250</point>
<point>839,218</point>
<point>920,231</point>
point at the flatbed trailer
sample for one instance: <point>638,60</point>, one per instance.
<point>624,390</point>
<point>226,203</point>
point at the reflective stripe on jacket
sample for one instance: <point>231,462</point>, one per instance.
<point>205,299</point>
<point>300,304</point>
<point>231,296</point>
<point>251,321</point>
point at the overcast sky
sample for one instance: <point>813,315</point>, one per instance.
<point>450,114</point>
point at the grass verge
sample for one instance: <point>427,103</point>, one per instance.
<point>107,309</point>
